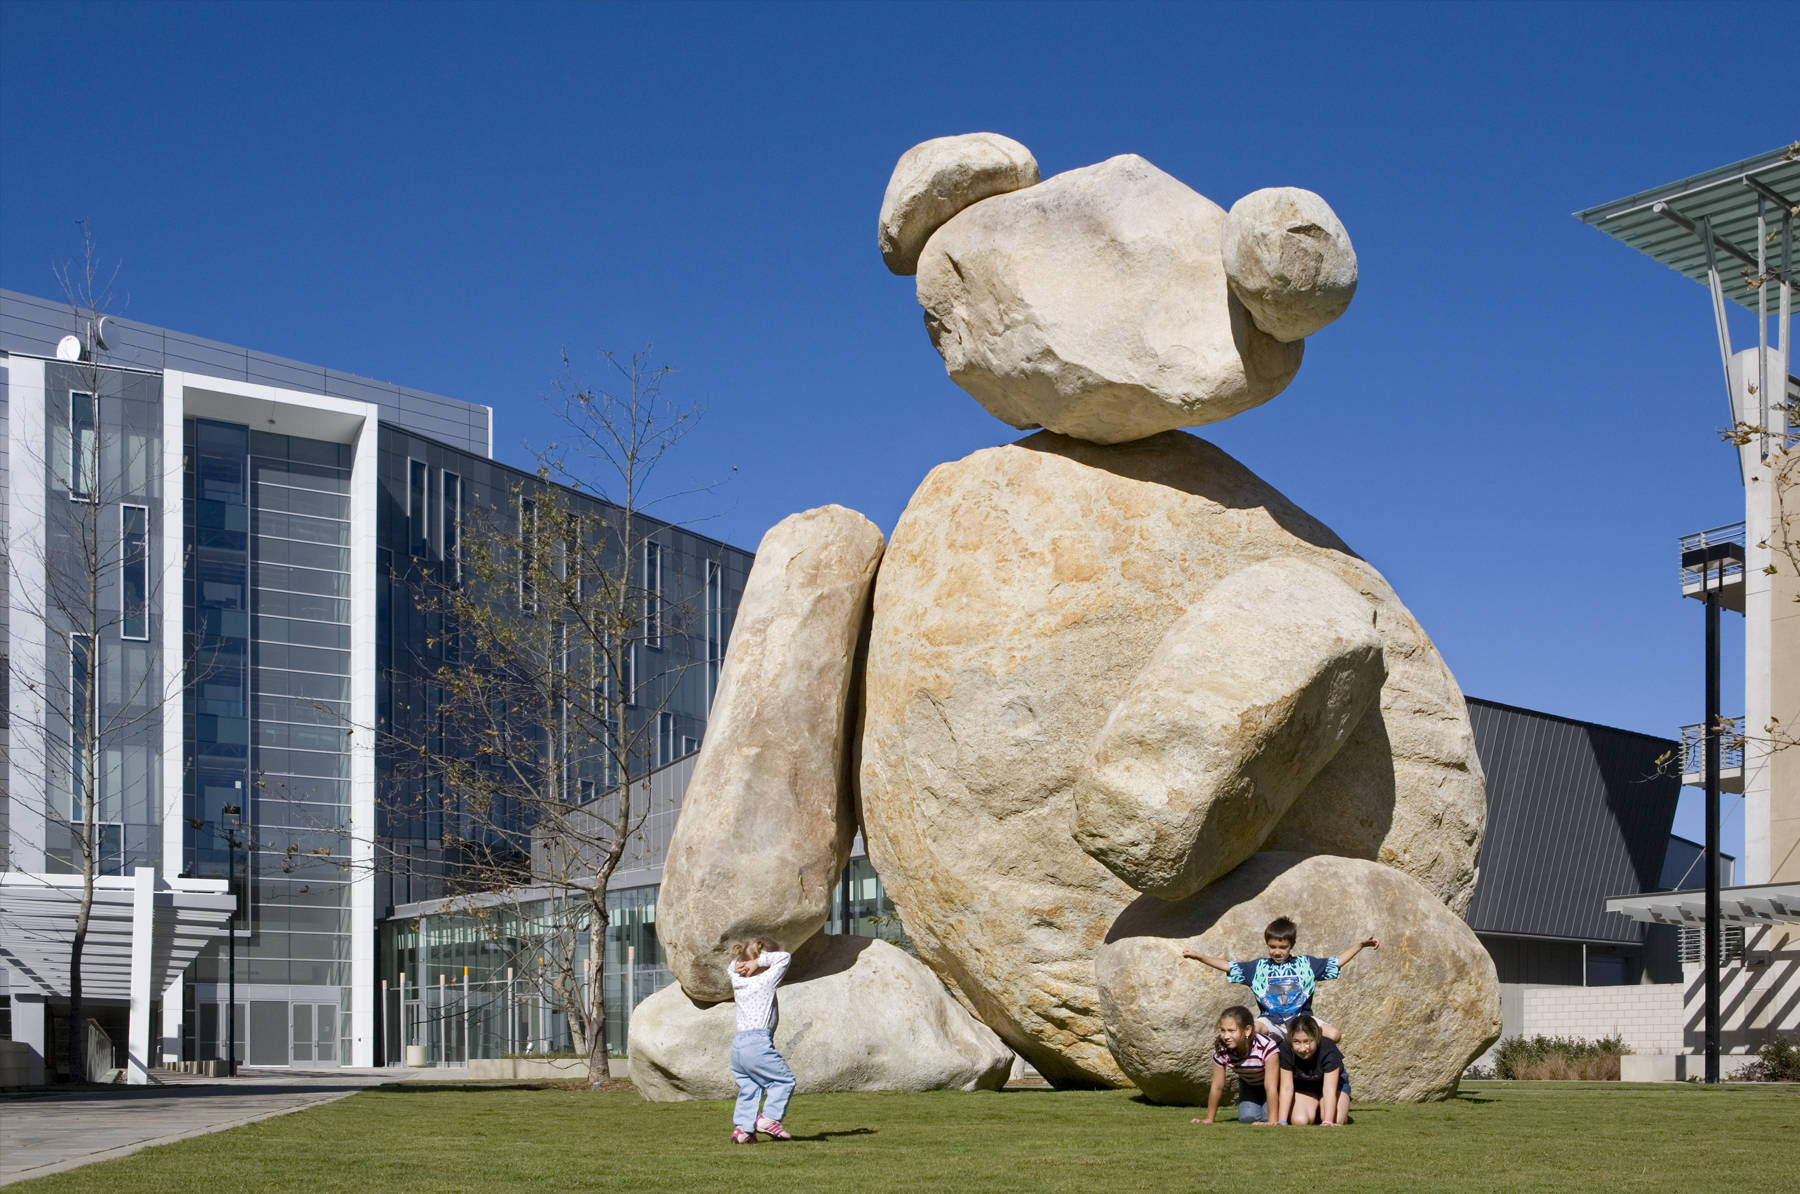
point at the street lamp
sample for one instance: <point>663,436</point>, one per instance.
<point>231,845</point>
<point>1712,560</point>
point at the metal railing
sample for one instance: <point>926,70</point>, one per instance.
<point>1693,746</point>
<point>1710,555</point>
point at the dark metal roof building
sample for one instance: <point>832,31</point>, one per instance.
<point>1577,812</point>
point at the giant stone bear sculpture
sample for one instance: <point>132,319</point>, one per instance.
<point>1114,695</point>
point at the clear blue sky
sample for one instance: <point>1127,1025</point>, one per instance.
<point>1514,421</point>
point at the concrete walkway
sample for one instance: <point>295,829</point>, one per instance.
<point>47,1133</point>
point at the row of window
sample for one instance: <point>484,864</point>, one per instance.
<point>80,474</point>
<point>448,523</point>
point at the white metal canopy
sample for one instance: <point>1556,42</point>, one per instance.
<point>1765,904</point>
<point>1662,223</point>
<point>37,929</point>
<point>1733,230</point>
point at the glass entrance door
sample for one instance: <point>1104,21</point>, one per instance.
<point>315,1034</point>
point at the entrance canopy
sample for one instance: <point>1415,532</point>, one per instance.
<point>37,929</point>
<point>1766,904</point>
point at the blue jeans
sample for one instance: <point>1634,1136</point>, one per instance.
<point>1251,1107</point>
<point>761,1076</point>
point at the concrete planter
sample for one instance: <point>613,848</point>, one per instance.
<point>1677,1067</point>
<point>528,1069</point>
<point>416,1057</point>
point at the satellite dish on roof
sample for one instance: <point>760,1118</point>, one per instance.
<point>97,334</point>
<point>68,349</point>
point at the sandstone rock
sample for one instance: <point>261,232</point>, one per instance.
<point>1023,589</point>
<point>1095,304</point>
<point>856,1014</point>
<point>1413,1014</point>
<point>1244,701</point>
<point>769,815</point>
<point>1289,260</point>
<point>938,178</point>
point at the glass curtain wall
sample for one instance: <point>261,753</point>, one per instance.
<point>447,986</point>
<point>300,575</point>
<point>267,723</point>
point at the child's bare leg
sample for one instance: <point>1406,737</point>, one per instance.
<point>1330,1032</point>
<point>1342,1112</point>
<point>1263,1026</point>
<point>1306,1108</point>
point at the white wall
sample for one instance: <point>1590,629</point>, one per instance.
<point>1648,1017</point>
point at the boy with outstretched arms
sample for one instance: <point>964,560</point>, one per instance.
<point>1283,982</point>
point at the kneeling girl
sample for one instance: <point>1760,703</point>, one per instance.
<point>1252,1056</point>
<point>1315,1087</point>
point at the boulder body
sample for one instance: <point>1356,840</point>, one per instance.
<point>938,178</point>
<point>856,1014</point>
<point>1413,1014</point>
<point>1022,591</point>
<point>769,815</point>
<point>1289,260</point>
<point>1244,701</point>
<point>1095,304</point>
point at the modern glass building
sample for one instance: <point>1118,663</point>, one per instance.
<point>214,562</point>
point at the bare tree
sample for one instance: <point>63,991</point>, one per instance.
<point>545,717</point>
<point>84,569</point>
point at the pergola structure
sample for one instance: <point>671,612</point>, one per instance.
<point>1764,904</point>
<point>142,933</point>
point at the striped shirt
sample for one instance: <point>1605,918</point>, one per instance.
<point>1251,1065</point>
<point>755,993</point>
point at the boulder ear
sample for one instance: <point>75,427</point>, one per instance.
<point>1289,261</point>
<point>938,178</point>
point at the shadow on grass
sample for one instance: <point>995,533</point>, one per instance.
<point>822,1137</point>
<point>501,1084</point>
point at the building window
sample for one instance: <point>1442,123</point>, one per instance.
<point>450,526</point>
<point>630,655</point>
<point>417,515</point>
<point>575,559</point>
<point>715,627</point>
<point>665,739</point>
<point>84,718</point>
<point>585,791</point>
<point>609,770</point>
<point>652,594</point>
<point>134,572</point>
<point>528,545</point>
<point>689,745</point>
<point>602,678</point>
<point>84,446</point>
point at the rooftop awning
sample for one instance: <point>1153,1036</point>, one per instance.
<point>37,929</point>
<point>1662,223</point>
<point>1766,904</point>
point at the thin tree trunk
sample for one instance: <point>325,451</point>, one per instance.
<point>598,1069</point>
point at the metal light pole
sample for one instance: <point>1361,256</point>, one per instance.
<point>231,1057</point>
<point>1712,822</point>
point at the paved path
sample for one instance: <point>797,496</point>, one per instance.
<point>48,1133</point>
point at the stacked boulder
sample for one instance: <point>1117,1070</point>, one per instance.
<point>1118,696</point>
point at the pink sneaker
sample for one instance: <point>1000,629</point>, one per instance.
<point>771,1128</point>
<point>739,1136</point>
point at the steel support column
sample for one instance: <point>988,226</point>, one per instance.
<point>1711,961</point>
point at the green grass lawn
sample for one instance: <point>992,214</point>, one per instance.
<point>1495,1136</point>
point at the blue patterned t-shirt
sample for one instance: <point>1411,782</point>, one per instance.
<point>1283,990</point>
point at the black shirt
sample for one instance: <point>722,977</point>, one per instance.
<point>1309,1073</point>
